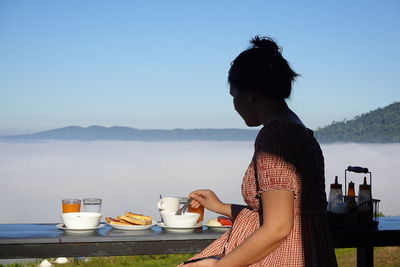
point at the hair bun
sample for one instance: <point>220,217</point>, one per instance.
<point>266,44</point>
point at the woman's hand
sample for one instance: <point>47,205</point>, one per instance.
<point>210,201</point>
<point>203,263</point>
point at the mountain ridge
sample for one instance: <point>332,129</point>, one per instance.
<point>381,125</point>
<point>124,133</point>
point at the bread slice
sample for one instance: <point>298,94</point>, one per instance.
<point>109,219</point>
<point>137,218</point>
<point>117,221</point>
<point>120,223</point>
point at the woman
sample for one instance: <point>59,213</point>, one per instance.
<point>284,222</point>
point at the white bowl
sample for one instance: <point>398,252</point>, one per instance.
<point>188,219</point>
<point>81,220</point>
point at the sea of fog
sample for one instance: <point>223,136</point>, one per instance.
<point>130,176</point>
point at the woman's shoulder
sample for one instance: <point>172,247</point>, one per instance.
<point>276,128</point>
<point>286,125</point>
<point>279,135</point>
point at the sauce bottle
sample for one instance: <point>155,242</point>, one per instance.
<point>364,194</point>
<point>351,198</point>
<point>335,202</point>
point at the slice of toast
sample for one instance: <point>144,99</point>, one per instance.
<point>120,223</point>
<point>145,218</point>
<point>117,221</point>
<point>137,218</point>
<point>132,220</point>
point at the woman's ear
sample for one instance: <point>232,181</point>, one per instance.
<point>250,96</point>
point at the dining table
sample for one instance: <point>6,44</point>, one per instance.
<point>47,240</point>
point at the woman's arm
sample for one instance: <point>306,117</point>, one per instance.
<point>277,225</point>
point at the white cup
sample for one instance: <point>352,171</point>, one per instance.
<point>168,204</point>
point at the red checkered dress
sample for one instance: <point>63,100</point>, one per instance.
<point>288,158</point>
<point>274,174</point>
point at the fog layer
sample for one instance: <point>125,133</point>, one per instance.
<point>130,176</point>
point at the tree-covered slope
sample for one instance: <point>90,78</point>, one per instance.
<point>378,126</point>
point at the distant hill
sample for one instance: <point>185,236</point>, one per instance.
<point>131,134</point>
<point>378,126</point>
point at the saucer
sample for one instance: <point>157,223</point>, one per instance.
<point>218,227</point>
<point>61,226</point>
<point>184,229</point>
<point>132,227</point>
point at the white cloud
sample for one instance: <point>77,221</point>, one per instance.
<point>129,176</point>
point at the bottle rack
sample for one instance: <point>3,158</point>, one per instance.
<point>365,215</point>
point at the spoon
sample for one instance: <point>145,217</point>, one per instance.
<point>182,210</point>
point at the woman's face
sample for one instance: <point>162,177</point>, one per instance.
<point>242,101</point>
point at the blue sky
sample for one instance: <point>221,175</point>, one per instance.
<point>163,64</point>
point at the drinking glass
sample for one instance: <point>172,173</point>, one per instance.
<point>92,205</point>
<point>71,205</point>
<point>198,210</point>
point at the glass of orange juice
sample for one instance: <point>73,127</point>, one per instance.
<point>198,210</point>
<point>71,205</point>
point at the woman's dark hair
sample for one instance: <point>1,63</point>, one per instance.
<point>262,67</point>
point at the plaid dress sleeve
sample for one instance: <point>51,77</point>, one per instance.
<point>276,174</point>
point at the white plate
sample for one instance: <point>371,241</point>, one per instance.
<point>61,226</point>
<point>132,227</point>
<point>179,229</point>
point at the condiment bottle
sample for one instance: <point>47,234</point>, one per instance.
<point>364,194</point>
<point>351,198</point>
<point>335,202</point>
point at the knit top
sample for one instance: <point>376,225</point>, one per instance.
<point>297,146</point>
